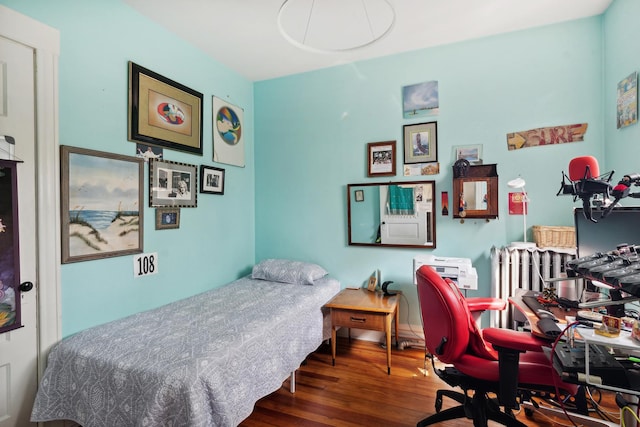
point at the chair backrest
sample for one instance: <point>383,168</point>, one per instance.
<point>449,328</point>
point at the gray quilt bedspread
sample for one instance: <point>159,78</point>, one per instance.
<point>201,361</point>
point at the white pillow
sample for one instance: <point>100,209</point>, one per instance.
<point>288,271</point>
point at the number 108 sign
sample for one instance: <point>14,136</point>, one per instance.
<point>145,264</point>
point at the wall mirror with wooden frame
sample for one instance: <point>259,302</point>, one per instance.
<point>475,192</point>
<point>393,214</point>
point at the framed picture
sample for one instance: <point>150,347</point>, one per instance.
<point>163,112</point>
<point>472,153</point>
<point>381,158</point>
<point>211,180</point>
<point>373,281</point>
<point>102,197</point>
<point>167,218</point>
<point>228,143</point>
<point>172,184</point>
<point>421,143</point>
<point>420,99</point>
<point>359,194</point>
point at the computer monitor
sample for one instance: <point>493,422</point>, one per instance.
<point>622,225</point>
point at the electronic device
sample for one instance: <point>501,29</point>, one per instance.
<point>604,368</point>
<point>458,270</point>
<point>620,226</point>
<point>537,307</point>
<point>385,288</point>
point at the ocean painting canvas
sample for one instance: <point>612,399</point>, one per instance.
<point>102,213</point>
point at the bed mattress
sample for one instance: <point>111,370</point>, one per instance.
<point>201,361</point>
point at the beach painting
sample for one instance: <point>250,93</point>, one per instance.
<point>101,204</point>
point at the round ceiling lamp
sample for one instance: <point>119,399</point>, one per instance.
<point>328,26</point>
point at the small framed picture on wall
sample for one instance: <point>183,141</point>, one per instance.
<point>381,158</point>
<point>421,143</point>
<point>211,180</point>
<point>167,218</point>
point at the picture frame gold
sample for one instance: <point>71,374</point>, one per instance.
<point>163,112</point>
<point>102,198</point>
<point>421,143</point>
<point>167,218</point>
<point>381,158</point>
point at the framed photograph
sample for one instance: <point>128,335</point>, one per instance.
<point>163,112</point>
<point>472,153</point>
<point>381,158</point>
<point>373,281</point>
<point>102,197</point>
<point>172,184</point>
<point>359,194</point>
<point>167,218</point>
<point>211,180</point>
<point>421,143</point>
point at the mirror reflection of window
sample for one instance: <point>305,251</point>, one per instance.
<point>475,195</point>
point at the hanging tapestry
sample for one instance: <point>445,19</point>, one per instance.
<point>9,249</point>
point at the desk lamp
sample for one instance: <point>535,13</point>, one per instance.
<point>519,184</point>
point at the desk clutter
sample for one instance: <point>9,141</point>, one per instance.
<point>618,269</point>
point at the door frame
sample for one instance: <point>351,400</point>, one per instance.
<point>45,41</point>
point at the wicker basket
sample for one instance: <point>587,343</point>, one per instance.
<point>547,236</point>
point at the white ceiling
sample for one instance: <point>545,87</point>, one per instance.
<point>244,34</point>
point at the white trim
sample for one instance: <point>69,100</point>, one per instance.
<point>46,43</point>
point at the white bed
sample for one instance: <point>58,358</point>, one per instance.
<point>201,361</point>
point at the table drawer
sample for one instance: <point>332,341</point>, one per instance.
<point>358,320</point>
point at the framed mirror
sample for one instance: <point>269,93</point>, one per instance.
<point>475,195</point>
<point>392,214</point>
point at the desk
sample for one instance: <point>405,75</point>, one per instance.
<point>624,342</point>
<point>532,317</point>
<point>361,309</point>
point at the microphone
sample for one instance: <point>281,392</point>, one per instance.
<point>584,174</point>
<point>584,167</point>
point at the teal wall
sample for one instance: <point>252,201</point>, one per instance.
<point>215,241</point>
<point>312,130</point>
<point>621,58</point>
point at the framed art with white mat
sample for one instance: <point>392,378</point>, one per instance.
<point>228,143</point>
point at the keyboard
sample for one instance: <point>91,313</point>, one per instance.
<point>603,366</point>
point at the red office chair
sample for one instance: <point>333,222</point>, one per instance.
<point>509,364</point>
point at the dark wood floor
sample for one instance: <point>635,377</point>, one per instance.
<point>358,392</point>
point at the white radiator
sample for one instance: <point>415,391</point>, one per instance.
<point>514,268</point>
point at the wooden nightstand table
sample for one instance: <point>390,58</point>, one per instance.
<point>361,309</point>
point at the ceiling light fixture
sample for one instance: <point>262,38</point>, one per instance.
<point>330,26</point>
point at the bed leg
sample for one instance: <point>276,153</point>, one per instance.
<point>292,383</point>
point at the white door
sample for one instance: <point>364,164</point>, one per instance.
<point>402,229</point>
<point>18,348</point>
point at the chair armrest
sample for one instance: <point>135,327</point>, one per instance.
<point>509,345</point>
<point>515,340</point>
<point>485,303</point>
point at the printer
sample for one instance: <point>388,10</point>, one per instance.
<point>459,270</point>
